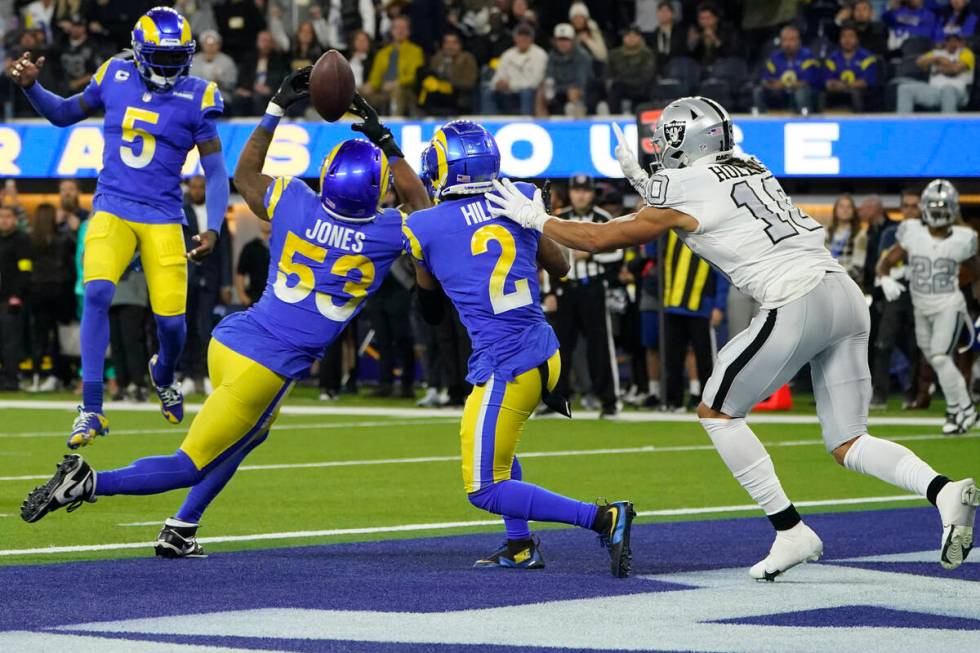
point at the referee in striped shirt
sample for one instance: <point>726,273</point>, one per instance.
<point>581,299</point>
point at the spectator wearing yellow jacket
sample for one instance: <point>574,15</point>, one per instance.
<point>447,84</point>
<point>391,83</point>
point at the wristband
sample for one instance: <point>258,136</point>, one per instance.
<point>269,121</point>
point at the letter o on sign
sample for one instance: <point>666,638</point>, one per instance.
<point>541,149</point>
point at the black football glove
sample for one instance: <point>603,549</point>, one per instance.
<point>295,87</point>
<point>373,128</point>
<point>546,195</point>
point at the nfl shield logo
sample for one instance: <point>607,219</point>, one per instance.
<point>674,133</point>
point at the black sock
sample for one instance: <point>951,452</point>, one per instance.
<point>935,485</point>
<point>785,519</point>
<point>601,522</point>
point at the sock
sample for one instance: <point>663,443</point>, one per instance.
<point>517,529</point>
<point>95,341</point>
<point>526,501</point>
<point>694,387</point>
<point>785,520</point>
<point>151,475</point>
<point>749,462</point>
<point>171,331</point>
<point>890,462</point>
<point>653,387</point>
<point>935,487</point>
<point>951,381</point>
<point>178,523</point>
<point>204,492</point>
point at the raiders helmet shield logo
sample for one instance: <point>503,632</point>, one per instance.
<point>674,133</point>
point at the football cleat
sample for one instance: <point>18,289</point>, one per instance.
<point>792,547</point>
<point>86,427</point>
<point>178,540</point>
<point>967,418</point>
<point>951,425</point>
<point>72,483</point>
<point>957,503</point>
<point>514,554</point>
<point>171,398</point>
<point>617,537</point>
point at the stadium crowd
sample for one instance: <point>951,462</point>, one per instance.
<point>564,57</point>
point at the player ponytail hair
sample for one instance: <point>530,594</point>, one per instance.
<point>43,226</point>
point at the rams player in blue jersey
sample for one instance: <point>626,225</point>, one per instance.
<point>155,113</point>
<point>329,251</point>
<point>488,267</point>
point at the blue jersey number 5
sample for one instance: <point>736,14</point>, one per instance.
<point>130,132</point>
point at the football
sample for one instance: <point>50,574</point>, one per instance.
<point>331,85</point>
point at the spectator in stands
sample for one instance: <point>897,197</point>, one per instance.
<point>361,56</point>
<point>520,12</point>
<point>567,77</point>
<point>711,39</point>
<point>872,34</point>
<point>631,72</point>
<point>51,293</point>
<point>112,20</point>
<point>16,263</point>
<point>31,41</point>
<point>252,271</point>
<point>846,240</point>
<point>587,33</point>
<point>200,13</point>
<point>957,17</point>
<point>667,39</point>
<point>338,20</point>
<point>69,214</point>
<point>39,15</point>
<point>260,74</point>
<point>304,49</point>
<point>950,76</point>
<point>80,57</point>
<point>871,211</point>
<point>907,19</point>
<point>448,83</point>
<point>391,84</point>
<point>519,73</point>
<point>215,66</point>
<point>790,76</point>
<point>240,24</point>
<point>128,314</point>
<point>851,72</point>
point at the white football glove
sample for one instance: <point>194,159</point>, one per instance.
<point>511,203</point>
<point>628,163</point>
<point>891,288</point>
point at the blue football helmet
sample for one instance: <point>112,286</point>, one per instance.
<point>426,173</point>
<point>163,47</point>
<point>353,181</point>
<point>462,159</point>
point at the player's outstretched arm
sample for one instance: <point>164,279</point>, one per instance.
<point>249,180</point>
<point>59,111</point>
<point>633,229</point>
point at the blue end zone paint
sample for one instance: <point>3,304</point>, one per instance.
<point>853,616</point>
<point>435,574</point>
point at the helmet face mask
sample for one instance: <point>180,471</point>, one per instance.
<point>692,130</point>
<point>162,47</point>
<point>940,204</point>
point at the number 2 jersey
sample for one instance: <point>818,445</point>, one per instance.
<point>934,265</point>
<point>147,138</point>
<point>488,268</point>
<point>748,228</point>
<point>320,272</point>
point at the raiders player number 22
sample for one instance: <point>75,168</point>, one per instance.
<point>732,212</point>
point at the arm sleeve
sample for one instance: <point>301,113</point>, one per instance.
<point>59,111</point>
<point>216,189</point>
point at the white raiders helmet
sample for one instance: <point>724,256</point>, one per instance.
<point>693,129</point>
<point>940,203</point>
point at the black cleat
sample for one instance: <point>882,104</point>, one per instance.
<point>616,536</point>
<point>178,542</point>
<point>72,484</point>
<point>513,554</point>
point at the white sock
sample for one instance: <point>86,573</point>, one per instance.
<point>890,462</point>
<point>694,387</point>
<point>173,521</point>
<point>653,387</point>
<point>748,461</point>
<point>951,381</point>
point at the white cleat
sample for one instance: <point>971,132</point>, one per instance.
<point>952,424</point>
<point>967,418</point>
<point>957,503</point>
<point>796,546</point>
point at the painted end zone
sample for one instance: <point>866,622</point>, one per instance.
<point>879,588</point>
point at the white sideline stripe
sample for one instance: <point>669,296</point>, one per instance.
<point>403,528</point>
<point>528,454</point>
<point>415,413</point>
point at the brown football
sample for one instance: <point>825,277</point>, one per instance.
<point>331,85</point>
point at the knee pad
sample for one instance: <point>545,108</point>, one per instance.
<point>98,294</point>
<point>940,360</point>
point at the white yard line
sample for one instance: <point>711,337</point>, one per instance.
<point>403,528</point>
<point>526,454</point>
<point>418,413</point>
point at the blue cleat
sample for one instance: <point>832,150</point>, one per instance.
<point>514,554</point>
<point>86,427</point>
<point>171,398</point>
<point>615,536</point>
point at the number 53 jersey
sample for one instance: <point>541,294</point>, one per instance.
<point>934,265</point>
<point>748,228</point>
<point>320,272</point>
<point>488,268</point>
<point>147,138</point>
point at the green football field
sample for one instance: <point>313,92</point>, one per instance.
<point>394,472</point>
